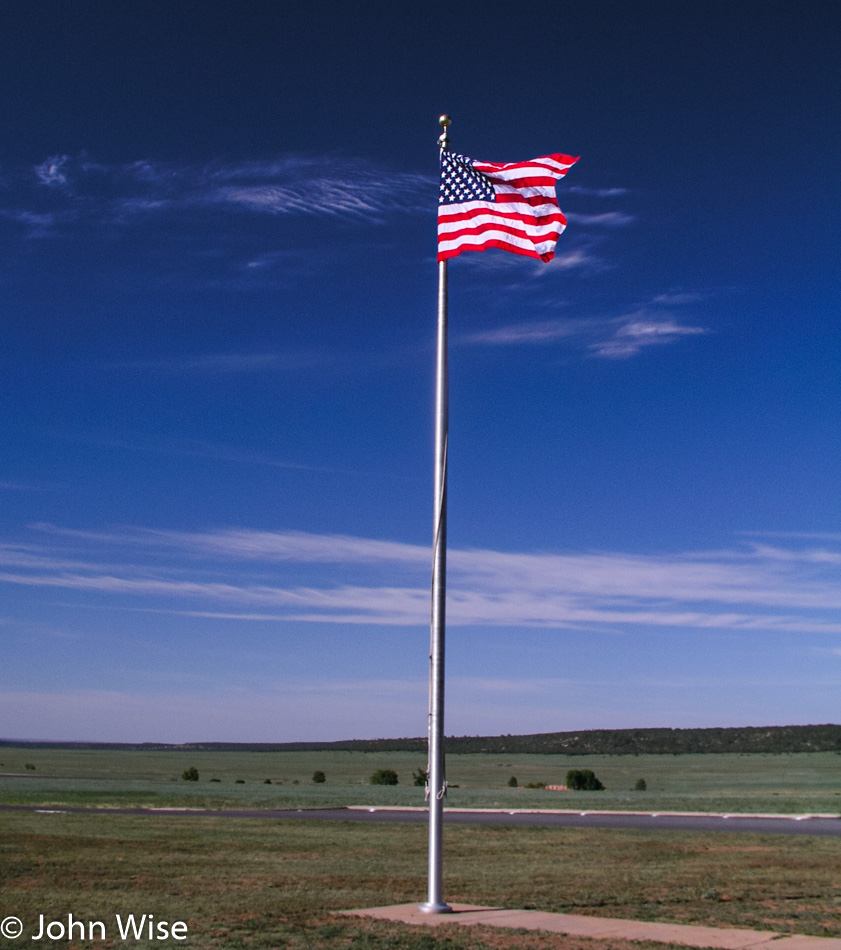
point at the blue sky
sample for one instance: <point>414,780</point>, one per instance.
<point>218,292</point>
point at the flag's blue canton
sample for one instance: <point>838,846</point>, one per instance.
<point>461,182</point>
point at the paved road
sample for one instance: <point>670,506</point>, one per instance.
<point>653,822</point>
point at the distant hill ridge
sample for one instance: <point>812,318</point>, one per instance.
<point>774,739</point>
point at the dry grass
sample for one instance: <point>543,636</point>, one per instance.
<point>260,884</point>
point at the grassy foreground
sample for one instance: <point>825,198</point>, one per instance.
<point>787,783</point>
<point>271,884</point>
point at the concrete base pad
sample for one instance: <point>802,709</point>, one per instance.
<point>601,928</point>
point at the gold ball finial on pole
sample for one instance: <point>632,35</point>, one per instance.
<point>443,139</point>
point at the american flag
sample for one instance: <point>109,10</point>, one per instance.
<point>513,206</point>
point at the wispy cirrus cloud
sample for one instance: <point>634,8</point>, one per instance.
<point>52,171</point>
<point>365,195</point>
<point>579,258</point>
<point>37,224</point>
<point>84,191</point>
<point>222,574</point>
<point>653,323</point>
<point>534,332</point>
<point>25,486</point>
<point>677,298</point>
<point>795,535</point>
<point>607,219</point>
<point>640,330</point>
<point>250,545</point>
<point>613,338</point>
<point>812,555</point>
<point>190,449</point>
<point>582,257</point>
<point>596,192</point>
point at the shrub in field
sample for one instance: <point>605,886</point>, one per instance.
<point>419,778</point>
<point>30,766</point>
<point>383,777</point>
<point>583,780</point>
<point>268,781</point>
<point>536,785</point>
<point>319,777</point>
<point>191,774</point>
<point>512,782</point>
<point>640,785</point>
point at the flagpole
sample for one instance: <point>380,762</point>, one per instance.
<point>436,776</point>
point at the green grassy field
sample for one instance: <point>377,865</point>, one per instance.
<point>272,884</point>
<point>787,783</point>
<point>261,884</point>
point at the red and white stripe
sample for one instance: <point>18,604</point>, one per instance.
<point>523,218</point>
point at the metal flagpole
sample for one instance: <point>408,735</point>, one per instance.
<point>436,776</point>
